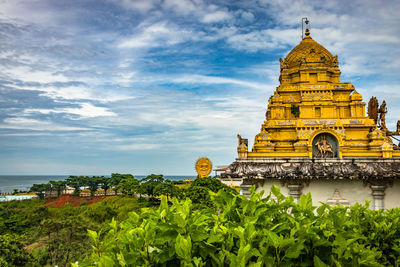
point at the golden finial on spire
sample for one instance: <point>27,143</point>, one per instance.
<point>307,33</point>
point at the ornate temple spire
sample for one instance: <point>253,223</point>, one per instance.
<point>307,32</point>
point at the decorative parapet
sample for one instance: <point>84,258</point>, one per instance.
<point>314,169</point>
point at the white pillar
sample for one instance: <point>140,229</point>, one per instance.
<point>245,190</point>
<point>295,190</point>
<point>378,194</point>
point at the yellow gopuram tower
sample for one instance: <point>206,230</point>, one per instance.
<point>314,115</point>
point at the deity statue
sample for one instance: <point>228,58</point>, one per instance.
<point>373,109</point>
<point>323,60</point>
<point>335,61</point>
<point>324,148</point>
<point>398,127</point>
<point>283,64</point>
<point>203,167</point>
<point>382,115</point>
<point>242,147</point>
<point>303,61</point>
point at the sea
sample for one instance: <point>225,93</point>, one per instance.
<point>23,182</point>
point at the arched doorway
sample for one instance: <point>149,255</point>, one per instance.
<point>325,145</point>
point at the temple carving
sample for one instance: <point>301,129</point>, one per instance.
<point>312,114</point>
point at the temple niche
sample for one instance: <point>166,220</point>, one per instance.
<point>317,135</point>
<point>325,145</point>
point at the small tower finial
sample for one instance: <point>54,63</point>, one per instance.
<point>307,32</point>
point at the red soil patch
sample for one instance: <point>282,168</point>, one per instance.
<point>73,200</point>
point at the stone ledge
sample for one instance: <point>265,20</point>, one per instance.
<point>313,169</point>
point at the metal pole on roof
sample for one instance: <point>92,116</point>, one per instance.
<point>306,21</point>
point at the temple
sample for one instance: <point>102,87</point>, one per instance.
<point>313,114</point>
<point>318,138</point>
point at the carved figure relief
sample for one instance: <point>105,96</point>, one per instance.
<point>323,60</point>
<point>325,146</point>
<point>398,127</point>
<point>242,147</point>
<point>373,109</point>
<point>337,199</point>
<point>382,115</point>
<point>303,61</point>
<point>283,64</point>
<point>335,62</point>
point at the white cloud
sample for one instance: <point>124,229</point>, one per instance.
<point>264,39</point>
<point>27,11</point>
<point>115,66</point>
<point>156,35</point>
<point>216,16</point>
<point>26,134</point>
<point>247,16</point>
<point>139,5</point>
<point>26,74</point>
<point>217,80</point>
<point>183,7</point>
<point>86,110</point>
<point>140,146</point>
<point>22,123</point>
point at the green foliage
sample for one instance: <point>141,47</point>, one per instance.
<point>56,236</point>
<point>148,184</point>
<point>128,186</point>
<point>167,189</point>
<point>105,183</point>
<point>116,178</point>
<point>271,231</point>
<point>76,182</point>
<point>59,186</point>
<point>295,110</point>
<point>92,183</point>
<point>198,191</point>
<point>12,252</point>
<point>18,216</point>
<point>40,189</point>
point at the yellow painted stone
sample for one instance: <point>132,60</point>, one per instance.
<point>312,111</point>
<point>203,167</point>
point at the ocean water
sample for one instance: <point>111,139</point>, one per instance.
<point>23,182</point>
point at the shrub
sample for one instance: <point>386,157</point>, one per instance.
<point>198,191</point>
<point>251,232</point>
<point>12,252</point>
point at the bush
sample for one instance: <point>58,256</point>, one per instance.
<point>12,252</point>
<point>251,232</point>
<point>198,191</point>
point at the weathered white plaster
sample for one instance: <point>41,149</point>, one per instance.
<point>322,190</point>
<point>353,191</point>
<point>266,186</point>
<point>392,196</point>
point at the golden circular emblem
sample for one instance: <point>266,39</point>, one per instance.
<point>203,167</point>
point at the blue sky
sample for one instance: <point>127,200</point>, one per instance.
<point>149,86</point>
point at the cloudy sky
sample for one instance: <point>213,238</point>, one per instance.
<point>149,86</point>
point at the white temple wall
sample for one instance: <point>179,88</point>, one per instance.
<point>392,195</point>
<point>343,192</point>
<point>352,191</point>
<point>266,186</point>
